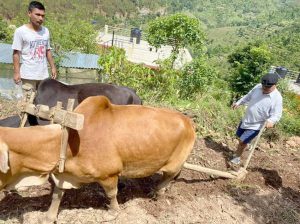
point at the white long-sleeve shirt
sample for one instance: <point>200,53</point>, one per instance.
<point>261,107</point>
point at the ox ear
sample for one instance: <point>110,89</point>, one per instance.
<point>3,158</point>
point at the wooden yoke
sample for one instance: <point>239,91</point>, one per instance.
<point>58,107</point>
<point>64,137</point>
<point>58,115</point>
<point>66,118</point>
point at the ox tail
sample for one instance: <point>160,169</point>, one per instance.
<point>3,157</point>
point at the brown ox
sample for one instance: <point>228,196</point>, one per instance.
<point>131,141</point>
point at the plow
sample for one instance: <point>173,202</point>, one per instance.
<point>239,175</point>
<point>68,119</point>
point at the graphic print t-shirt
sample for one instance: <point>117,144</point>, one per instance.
<point>32,46</point>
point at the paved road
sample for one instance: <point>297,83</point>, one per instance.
<point>295,87</point>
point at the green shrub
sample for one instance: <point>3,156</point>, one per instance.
<point>248,65</point>
<point>290,122</point>
<point>149,84</point>
<point>196,77</point>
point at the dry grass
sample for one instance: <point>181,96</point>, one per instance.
<point>7,107</point>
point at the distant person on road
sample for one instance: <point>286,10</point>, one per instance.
<point>264,104</point>
<point>32,43</point>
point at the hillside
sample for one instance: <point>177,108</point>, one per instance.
<point>227,25</point>
<point>213,13</point>
<point>96,11</point>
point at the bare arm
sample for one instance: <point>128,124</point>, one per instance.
<point>16,62</point>
<point>51,62</point>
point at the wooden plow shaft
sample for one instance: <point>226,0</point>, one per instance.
<point>240,174</point>
<point>209,171</point>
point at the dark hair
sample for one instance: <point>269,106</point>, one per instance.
<point>35,5</point>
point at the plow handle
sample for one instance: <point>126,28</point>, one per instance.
<point>254,145</point>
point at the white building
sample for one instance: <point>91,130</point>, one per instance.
<point>141,53</point>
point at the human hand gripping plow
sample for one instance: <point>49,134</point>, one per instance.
<point>240,174</point>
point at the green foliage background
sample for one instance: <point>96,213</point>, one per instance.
<point>243,39</point>
<point>248,66</point>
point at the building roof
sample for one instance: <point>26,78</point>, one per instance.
<point>69,60</point>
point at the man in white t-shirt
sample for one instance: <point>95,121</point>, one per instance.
<point>32,43</point>
<point>264,104</point>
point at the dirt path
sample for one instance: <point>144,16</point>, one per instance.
<point>269,194</point>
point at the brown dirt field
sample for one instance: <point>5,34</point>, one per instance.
<point>269,194</point>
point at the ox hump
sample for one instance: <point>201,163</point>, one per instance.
<point>94,103</point>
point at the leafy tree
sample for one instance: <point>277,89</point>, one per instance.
<point>157,85</point>
<point>76,35</point>
<point>3,30</point>
<point>178,31</point>
<point>195,78</point>
<point>112,60</point>
<point>6,32</point>
<point>248,65</point>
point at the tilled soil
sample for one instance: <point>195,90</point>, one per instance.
<point>269,194</point>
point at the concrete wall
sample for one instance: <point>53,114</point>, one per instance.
<point>77,76</point>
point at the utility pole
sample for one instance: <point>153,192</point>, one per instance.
<point>112,40</point>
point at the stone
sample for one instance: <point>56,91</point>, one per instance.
<point>296,139</point>
<point>291,143</point>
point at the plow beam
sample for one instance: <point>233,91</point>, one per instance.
<point>202,169</point>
